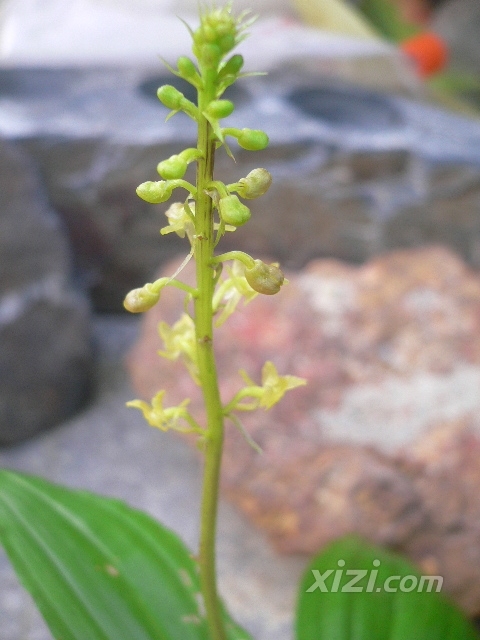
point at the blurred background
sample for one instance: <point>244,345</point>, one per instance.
<point>373,112</point>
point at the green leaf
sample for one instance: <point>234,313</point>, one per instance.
<point>99,569</point>
<point>386,17</point>
<point>329,608</point>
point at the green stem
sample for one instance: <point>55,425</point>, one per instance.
<point>246,392</point>
<point>204,246</point>
<point>247,260</point>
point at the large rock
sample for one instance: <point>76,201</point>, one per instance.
<point>45,345</point>
<point>382,441</point>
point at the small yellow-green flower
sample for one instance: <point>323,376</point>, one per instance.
<point>179,221</point>
<point>157,416</point>
<point>231,291</point>
<point>273,386</point>
<point>179,342</point>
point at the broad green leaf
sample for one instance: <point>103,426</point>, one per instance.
<point>98,569</point>
<point>329,608</point>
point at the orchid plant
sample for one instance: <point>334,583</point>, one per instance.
<point>209,210</point>
<point>100,570</point>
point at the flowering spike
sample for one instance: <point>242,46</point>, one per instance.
<point>216,293</point>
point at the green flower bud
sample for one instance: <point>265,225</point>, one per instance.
<point>210,55</point>
<point>186,67</point>
<point>232,66</point>
<point>173,168</point>
<point>215,25</point>
<point>226,42</point>
<point>140,300</point>
<point>170,97</point>
<point>255,184</point>
<point>220,108</point>
<point>155,192</point>
<point>232,211</point>
<point>217,28</point>
<point>253,139</point>
<point>265,278</point>
<point>208,33</point>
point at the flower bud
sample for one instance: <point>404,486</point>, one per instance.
<point>170,97</point>
<point>220,108</point>
<point>253,139</point>
<point>226,42</point>
<point>155,192</point>
<point>232,66</point>
<point>143,299</point>
<point>255,184</point>
<point>217,27</point>
<point>265,278</point>
<point>209,33</point>
<point>174,168</point>
<point>186,67</point>
<point>232,211</point>
<point>210,55</point>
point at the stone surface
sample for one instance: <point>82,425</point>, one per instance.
<point>391,351</point>
<point>443,466</point>
<point>458,21</point>
<point>45,344</point>
<point>356,170</point>
<point>95,33</point>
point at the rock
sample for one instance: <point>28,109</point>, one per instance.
<point>458,22</point>
<point>356,171</point>
<point>443,466</point>
<point>45,345</point>
<point>391,352</point>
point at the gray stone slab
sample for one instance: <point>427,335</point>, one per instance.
<point>45,344</point>
<point>356,171</point>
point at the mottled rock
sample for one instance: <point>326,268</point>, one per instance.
<point>45,346</point>
<point>443,467</point>
<point>391,351</point>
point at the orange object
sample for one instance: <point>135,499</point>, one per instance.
<point>428,51</point>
